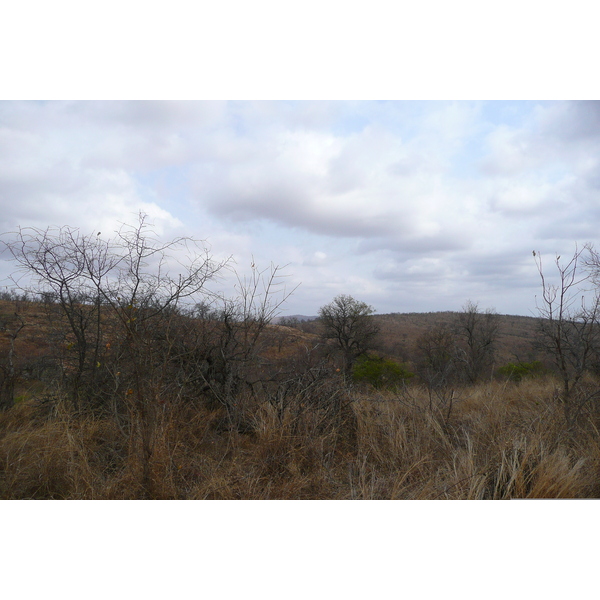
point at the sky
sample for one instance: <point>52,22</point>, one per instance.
<point>410,206</point>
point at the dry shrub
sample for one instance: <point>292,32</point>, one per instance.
<point>57,456</point>
<point>502,440</point>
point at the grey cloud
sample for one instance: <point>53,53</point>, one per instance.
<point>340,197</point>
<point>345,173</point>
<point>140,135</point>
<point>290,208</point>
<point>517,270</point>
<point>573,121</point>
<point>400,273</point>
<point>512,152</point>
<point>364,158</point>
<point>316,259</point>
<point>524,200</point>
<point>149,114</point>
<point>572,213</point>
<point>409,244</point>
<point>570,227</point>
<point>592,177</point>
<point>561,133</point>
<point>254,118</point>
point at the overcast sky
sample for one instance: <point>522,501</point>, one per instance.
<point>407,205</point>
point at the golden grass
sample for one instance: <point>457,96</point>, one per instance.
<point>501,441</point>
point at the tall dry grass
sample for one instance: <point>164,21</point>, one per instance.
<point>500,441</point>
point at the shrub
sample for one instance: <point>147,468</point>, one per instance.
<point>516,371</point>
<point>380,372</point>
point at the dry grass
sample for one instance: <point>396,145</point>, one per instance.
<point>501,441</point>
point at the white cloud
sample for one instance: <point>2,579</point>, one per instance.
<point>316,259</point>
<point>374,199</point>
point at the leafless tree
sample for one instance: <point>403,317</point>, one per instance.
<point>232,356</point>
<point>569,311</point>
<point>108,292</point>
<point>478,332</point>
<point>439,362</point>
<point>349,323</point>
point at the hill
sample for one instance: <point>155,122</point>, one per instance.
<point>293,318</point>
<point>399,333</point>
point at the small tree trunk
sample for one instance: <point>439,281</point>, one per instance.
<point>7,391</point>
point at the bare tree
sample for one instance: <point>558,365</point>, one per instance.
<point>569,311</point>
<point>109,293</point>
<point>349,323</point>
<point>478,332</point>
<point>439,359</point>
<point>232,356</point>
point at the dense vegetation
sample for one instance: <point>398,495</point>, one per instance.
<point>121,380</point>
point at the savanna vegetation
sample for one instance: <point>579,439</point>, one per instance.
<point>125,374</point>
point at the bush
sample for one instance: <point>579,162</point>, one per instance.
<point>516,371</point>
<point>379,372</point>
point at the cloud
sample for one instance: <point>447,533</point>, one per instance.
<point>317,258</point>
<point>557,136</point>
<point>75,163</point>
<point>365,184</point>
<point>523,198</point>
<point>511,152</point>
<point>571,122</point>
<point>402,202</point>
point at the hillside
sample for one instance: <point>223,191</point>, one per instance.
<point>399,333</point>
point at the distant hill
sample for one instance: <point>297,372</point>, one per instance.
<point>399,333</point>
<point>301,318</point>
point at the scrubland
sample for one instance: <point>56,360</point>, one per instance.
<point>502,440</point>
<point>119,380</point>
